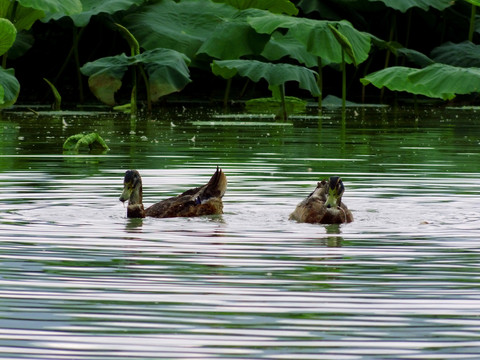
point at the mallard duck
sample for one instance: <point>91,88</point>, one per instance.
<point>203,200</point>
<point>324,205</point>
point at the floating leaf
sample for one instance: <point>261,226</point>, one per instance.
<point>404,5</point>
<point>7,35</point>
<point>274,74</point>
<point>9,87</point>
<point>465,54</point>
<point>92,140</point>
<point>436,81</point>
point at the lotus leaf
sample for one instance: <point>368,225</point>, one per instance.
<point>7,35</point>
<point>9,87</point>
<point>23,42</point>
<point>274,6</point>
<point>274,74</point>
<point>95,7</point>
<point>67,7</point>
<point>281,45</point>
<point>167,70</point>
<point>182,26</point>
<point>25,17</point>
<point>317,36</point>
<point>404,5</point>
<point>235,38</point>
<point>436,81</point>
<point>465,54</point>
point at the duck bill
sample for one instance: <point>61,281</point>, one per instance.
<point>332,199</point>
<point>127,192</point>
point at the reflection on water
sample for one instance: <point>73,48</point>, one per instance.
<point>81,281</point>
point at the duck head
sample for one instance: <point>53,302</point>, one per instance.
<point>132,188</point>
<point>333,191</point>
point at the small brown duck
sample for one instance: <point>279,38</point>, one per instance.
<point>203,200</point>
<point>324,205</point>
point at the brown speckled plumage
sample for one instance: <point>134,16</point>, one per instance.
<point>324,205</point>
<point>203,200</point>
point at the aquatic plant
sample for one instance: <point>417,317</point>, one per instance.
<point>17,16</point>
<point>436,81</point>
<point>57,104</point>
<point>276,75</point>
<point>92,140</point>
<point>331,42</point>
<point>79,21</point>
<point>9,85</point>
<point>166,72</point>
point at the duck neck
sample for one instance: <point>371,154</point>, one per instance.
<point>135,206</point>
<point>136,196</point>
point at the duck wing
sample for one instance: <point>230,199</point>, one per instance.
<point>203,200</point>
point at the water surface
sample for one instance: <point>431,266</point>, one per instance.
<point>78,280</point>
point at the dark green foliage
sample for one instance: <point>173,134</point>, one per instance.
<point>371,35</point>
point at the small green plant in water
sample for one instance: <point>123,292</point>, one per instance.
<point>92,140</point>
<point>58,98</point>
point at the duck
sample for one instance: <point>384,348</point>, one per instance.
<point>203,200</point>
<point>324,205</point>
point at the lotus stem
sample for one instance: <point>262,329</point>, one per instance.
<point>147,87</point>
<point>284,105</point>
<point>320,82</point>
<point>471,30</point>
<point>344,82</point>
<point>227,93</point>
<point>76,38</point>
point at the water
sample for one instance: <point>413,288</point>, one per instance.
<point>78,280</point>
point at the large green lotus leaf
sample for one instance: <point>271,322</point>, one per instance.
<point>442,79</point>
<point>394,78</point>
<point>404,5</point>
<point>182,26</point>
<point>280,46</point>
<point>7,35</point>
<point>465,54</point>
<point>104,76</point>
<point>23,18</point>
<point>167,71</point>
<point>95,7</point>
<point>274,74</point>
<point>232,40</point>
<point>113,65</point>
<point>436,81</point>
<point>274,6</point>
<point>23,42</point>
<point>317,36</point>
<point>9,87</point>
<point>68,7</point>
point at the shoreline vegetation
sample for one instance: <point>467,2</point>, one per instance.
<point>132,54</point>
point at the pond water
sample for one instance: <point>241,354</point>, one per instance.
<point>78,280</point>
